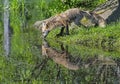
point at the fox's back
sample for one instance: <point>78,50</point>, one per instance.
<point>71,13</point>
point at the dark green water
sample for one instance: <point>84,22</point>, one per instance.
<point>74,64</point>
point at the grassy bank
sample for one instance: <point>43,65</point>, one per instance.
<point>106,38</point>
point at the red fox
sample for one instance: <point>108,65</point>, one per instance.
<point>66,18</point>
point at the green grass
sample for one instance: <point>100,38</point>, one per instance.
<point>108,37</point>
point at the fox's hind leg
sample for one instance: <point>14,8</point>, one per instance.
<point>61,32</point>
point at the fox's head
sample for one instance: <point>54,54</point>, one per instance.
<point>45,29</point>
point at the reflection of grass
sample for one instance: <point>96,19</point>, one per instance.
<point>96,37</point>
<point>77,50</point>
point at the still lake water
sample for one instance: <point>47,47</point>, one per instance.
<point>75,64</point>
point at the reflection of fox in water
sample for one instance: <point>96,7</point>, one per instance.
<point>58,57</point>
<point>64,19</point>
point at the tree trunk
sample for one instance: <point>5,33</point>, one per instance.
<point>6,28</point>
<point>110,11</point>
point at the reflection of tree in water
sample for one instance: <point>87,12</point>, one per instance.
<point>94,69</point>
<point>106,70</point>
<point>101,70</point>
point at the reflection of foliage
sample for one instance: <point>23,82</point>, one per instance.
<point>95,73</point>
<point>94,68</point>
<point>29,66</point>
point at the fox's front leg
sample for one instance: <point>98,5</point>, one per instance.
<point>61,32</point>
<point>67,30</point>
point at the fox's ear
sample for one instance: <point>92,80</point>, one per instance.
<point>45,24</point>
